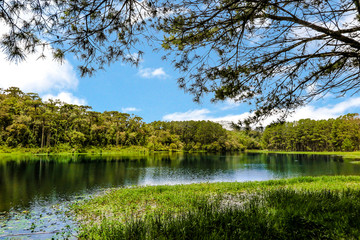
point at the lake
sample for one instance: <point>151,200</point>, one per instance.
<point>33,183</point>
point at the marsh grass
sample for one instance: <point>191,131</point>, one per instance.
<point>275,214</point>
<point>300,208</point>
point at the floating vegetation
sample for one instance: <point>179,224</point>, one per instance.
<point>40,221</point>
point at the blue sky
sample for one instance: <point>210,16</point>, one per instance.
<point>149,91</point>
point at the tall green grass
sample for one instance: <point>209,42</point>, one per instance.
<point>299,208</point>
<point>274,214</point>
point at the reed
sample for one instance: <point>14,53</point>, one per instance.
<point>284,209</point>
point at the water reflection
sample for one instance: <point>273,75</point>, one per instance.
<point>25,179</point>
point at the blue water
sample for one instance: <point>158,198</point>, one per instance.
<point>35,190</point>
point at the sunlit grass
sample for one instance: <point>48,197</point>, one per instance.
<point>305,207</point>
<point>111,150</point>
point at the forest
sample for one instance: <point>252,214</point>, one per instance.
<point>340,134</point>
<point>28,122</point>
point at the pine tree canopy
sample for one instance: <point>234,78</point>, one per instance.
<point>277,55</point>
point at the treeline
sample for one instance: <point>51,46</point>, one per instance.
<point>196,136</point>
<point>28,122</point>
<point>340,134</point>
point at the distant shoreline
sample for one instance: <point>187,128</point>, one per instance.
<point>140,150</point>
<point>345,155</point>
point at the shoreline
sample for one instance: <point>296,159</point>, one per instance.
<point>346,155</point>
<point>139,150</point>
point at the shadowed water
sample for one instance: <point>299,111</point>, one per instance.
<point>42,182</point>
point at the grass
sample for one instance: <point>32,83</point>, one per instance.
<point>298,208</point>
<point>111,150</point>
<point>137,151</point>
<point>345,155</point>
<point>67,150</point>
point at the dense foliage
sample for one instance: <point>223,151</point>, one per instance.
<point>27,121</point>
<point>197,135</point>
<point>340,134</point>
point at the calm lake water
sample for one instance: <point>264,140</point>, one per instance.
<point>36,182</point>
<point>27,179</point>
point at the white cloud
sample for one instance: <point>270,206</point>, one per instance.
<point>349,20</point>
<point>230,117</point>
<point>65,97</point>
<point>39,76</point>
<point>130,109</point>
<point>152,73</point>
<point>312,112</point>
<point>311,88</point>
<point>134,57</point>
<point>309,111</point>
<point>230,104</point>
<point>331,111</point>
<point>345,105</point>
<point>200,114</point>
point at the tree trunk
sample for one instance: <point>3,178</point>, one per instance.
<point>117,138</point>
<point>42,136</point>
<point>48,139</point>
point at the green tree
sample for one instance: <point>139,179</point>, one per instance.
<point>98,32</point>
<point>340,134</point>
<point>277,54</point>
